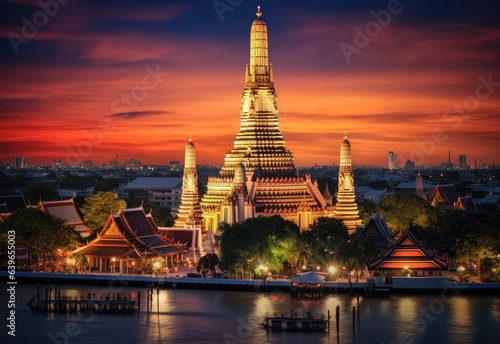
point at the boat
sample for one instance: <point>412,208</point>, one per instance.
<point>284,323</point>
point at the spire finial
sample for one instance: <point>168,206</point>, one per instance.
<point>190,138</point>
<point>259,13</point>
<point>345,135</point>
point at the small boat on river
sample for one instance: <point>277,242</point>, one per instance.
<point>284,323</point>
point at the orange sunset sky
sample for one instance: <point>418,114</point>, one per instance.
<point>425,82</point>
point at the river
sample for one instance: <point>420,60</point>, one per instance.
<point>199,316</point>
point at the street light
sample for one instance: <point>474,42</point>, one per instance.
<point>332,270</point>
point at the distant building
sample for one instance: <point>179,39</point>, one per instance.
<point>162,192</point>
<point>87,164</point>
<point>327,195</point>
<point>57,163</point>
<point>462,161</point>
<point>467,203</point>
<point>174,165</point>
<point>447,165</point>
<point>18,162</point>
<point>409,165</point>
<point>113,164</point>
<point>133,164</point>
<point>392,161</point>
<point>444,196</point>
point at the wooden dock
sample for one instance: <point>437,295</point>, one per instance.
<point>53,302</point>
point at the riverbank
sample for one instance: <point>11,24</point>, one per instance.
<point>395,285</point>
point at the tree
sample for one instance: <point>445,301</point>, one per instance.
<point>324,238</point>
<point>400,209</point>
<point>40,190</point>
<point>269,241</point>
<point>463,236</point>
<point>97,209</point>
<point>366,209</point>
<point>44,236</point>
<point>208,262</point>
<point>356,253</point>
<point>241,249</point>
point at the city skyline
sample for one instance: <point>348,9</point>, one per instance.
<point>95,80</point>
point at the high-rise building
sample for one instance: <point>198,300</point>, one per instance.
<point>18,162</point>
<point>462,161</point>
<point>346,208</point>
<point>392,161</point>
<point>189,214</point>
<point>259,175</point>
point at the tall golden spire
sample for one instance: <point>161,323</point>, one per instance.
<point>346,208</point>
<point>189,213</point>
<point>259,63</point>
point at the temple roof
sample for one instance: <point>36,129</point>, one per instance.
<point>377,231</point>
<point>131,233</point>
<point>408,253</point>
<point>153,183</point>
<point>444,195</point>
<point>9,204</point>
<point>67,211</point>
<point>465,203</point>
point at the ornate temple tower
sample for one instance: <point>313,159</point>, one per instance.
<point>259,145</point>
<point>346,208</point>
<point>189,214</point>
<point>419,185</point>
<point>271,184</point>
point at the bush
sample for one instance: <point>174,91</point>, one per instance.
<point>193,274</point>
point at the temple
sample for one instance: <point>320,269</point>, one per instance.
<point>444,196</point>
<point>346,208</point>
<point>189,214</point>
<point>259,175</point>
<point>408,256</point>
<point>130,235</point>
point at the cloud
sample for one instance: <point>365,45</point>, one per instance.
<point>139,114</point>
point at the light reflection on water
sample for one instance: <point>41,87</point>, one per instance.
<point>197,316</point>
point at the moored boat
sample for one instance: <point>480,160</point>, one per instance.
<point>284,323</point>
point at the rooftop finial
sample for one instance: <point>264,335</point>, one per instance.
<point>190,138</point>
<point>259,13</point>
<point>345,135</point>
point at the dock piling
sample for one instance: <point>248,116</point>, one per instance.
<point>353,319</point>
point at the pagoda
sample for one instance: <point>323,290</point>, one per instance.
<point>189,214</point>
<point>259,175</point>
<point>346,208</point>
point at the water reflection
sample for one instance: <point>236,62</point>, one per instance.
<point>202,316</point>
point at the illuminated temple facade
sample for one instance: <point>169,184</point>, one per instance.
<point>259,175</point>
<point>346,208</point>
